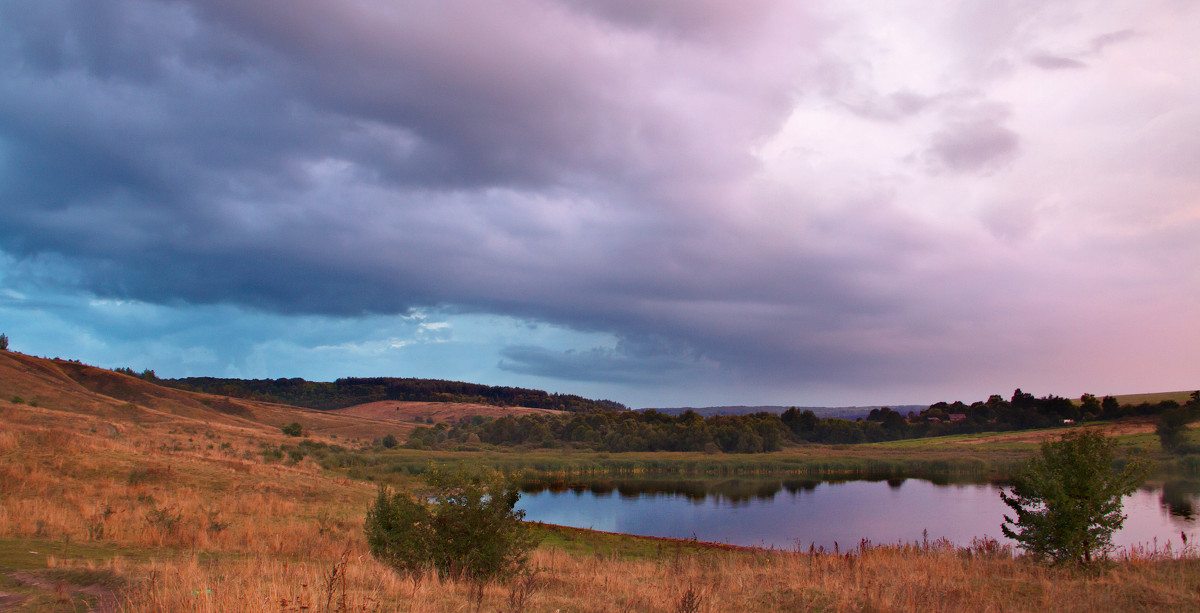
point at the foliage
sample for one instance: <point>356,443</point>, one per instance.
<point>147,374</point>
<point>650,430</point>
<point>390,441</point>
<point>467,530</point>
<point>293,429</point>
<point>618,431</point>
<point>400,532</point>
<point>1172,429</point>
<point>354,390</point>
<point>3,342</point>
<point>1068,501</point>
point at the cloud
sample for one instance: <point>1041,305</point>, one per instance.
<point>601,364</point>
<point>758,195</point>
<point>1076,59</point>
<point>974,145</point>
<point>1056,62</point>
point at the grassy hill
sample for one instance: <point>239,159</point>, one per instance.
<point>1154,398</point>
<point>123,400</point>
<point>119,495</point>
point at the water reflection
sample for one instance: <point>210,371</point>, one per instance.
<point>796,512</point>
<point>732,490</point>
<point>1179,496</point>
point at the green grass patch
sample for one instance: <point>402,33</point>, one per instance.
<point>400,466</point>
<point>32,554</point>
<point>579,541</point>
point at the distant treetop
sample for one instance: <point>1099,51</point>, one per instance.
<point>351,391</point>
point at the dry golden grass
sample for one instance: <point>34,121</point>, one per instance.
<point>191,517</point>
<point>268,537</point>
<point>883,579</point>
<point>410,413</point>
<point>77,388</point>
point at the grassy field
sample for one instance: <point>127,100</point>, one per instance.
<point>1154,398</point>
<point>979,456</point>
<point>173,505</point>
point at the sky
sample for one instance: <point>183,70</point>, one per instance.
<point>658,202</point>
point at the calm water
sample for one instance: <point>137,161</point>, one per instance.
<point>797,513</point>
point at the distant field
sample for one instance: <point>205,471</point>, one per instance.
<point>1180,397</point>
<point>432,412</point>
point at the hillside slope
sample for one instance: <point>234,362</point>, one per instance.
<point>417,413</point>
<point>62,385</point>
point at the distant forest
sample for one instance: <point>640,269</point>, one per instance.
<point>763,432</point>
<point>351,391</point>
<point>604,425</point>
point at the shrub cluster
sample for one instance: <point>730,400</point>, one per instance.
<point>468,528</point>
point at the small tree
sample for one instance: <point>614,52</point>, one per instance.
<point>400,532</point>
<point>3,342</point>
<point>1172,429</point>
<point>390,441</point>
<point>293,429</point>
<point>467,530</point>
<point>1068,500</point>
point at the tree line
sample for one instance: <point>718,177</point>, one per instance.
<point>350,391</point>
<point>650,430</point>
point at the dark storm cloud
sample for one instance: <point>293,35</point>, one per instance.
<point>609,167</point>
<point>535,160</point>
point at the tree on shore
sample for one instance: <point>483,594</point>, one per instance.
<point>467,529</point>
<point>1067,501</point>
<point>1172,429</point>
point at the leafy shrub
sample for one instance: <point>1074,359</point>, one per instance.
<point>3,342</point>
<point>1068,500</point>
<point>1172,429</point>
<point>293,429</point>
<point>390,441</point>
<point>467,530</point>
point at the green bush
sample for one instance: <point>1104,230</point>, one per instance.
<point>1068,500</point>
<point>1172,429</point>
<point>293,429</point>
<point>3,342</point>
<point>467,529</point>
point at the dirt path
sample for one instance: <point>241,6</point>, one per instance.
<point>9,602</point>
<point>105,600</point>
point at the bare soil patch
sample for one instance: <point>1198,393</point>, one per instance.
<point>102,599</point>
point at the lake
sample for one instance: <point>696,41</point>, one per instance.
<point>797,513</point>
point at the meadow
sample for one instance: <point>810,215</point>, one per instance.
<point>168,505</point>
